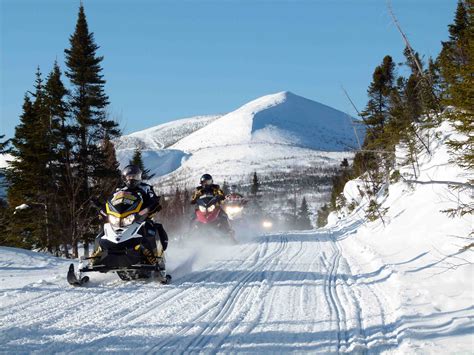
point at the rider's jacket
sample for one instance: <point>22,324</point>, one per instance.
<point>150,199</point>
<point>213,189</point>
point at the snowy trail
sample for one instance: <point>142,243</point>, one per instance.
<point>288,292</point>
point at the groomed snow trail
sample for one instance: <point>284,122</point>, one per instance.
<point>275,293</point>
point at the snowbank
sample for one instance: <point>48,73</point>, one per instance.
<point>422,248</point>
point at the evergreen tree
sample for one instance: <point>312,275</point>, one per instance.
<point>376,112</point>
<point>323,214</point>
<point>255,185</point>
<point>456,63</point>
<point>3,150</point>
<point>304,221</point>
<point>61,168</point>
<point>5,236</point>
<point>186,203</point>
<point>29,174</point>
<point>138,161</point>
<point>109,175</point>
<point>455,52</point>
<point>376,116</point>
<point>87,103</point>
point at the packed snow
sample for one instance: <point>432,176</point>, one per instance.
<point>351,287</point>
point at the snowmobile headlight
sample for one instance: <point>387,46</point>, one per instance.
<point>211,208</point>
<point>233,209</point>
<point>267,224</point>
<point>202,208</point>
<point>115,221</point>
<point>128,220</point>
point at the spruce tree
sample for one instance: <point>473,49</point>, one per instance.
<point>109,176</point>
<point>29,174</point>
<point>61,168</point>
<point>457,66</point>
<point>3,150</point>
<point>304,221</point>
<point>255,185</point>
<point>138,161</point>
<point>376,117</point>
<point>87,102</point>
<point>323,214</point>
<point>5,236</point>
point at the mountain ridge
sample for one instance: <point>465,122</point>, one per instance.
<point>274,133</point>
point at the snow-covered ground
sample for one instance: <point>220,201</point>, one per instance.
<point>352,286</point>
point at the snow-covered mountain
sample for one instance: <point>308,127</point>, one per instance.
<point>284,119</point>
<point>164,135</point>
<point>275,133</point>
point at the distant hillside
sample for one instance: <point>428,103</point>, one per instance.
<point>290,141</point>
<point>272,134</point>
<point>164,135</point>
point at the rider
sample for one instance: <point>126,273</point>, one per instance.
<point>132,179</point>
<point>233,197</point>
<point>208,187</point>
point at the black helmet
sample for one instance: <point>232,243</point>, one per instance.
<point>131,175</point>
<point>206,180</point>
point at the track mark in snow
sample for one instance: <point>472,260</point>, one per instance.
<point>276,293</point>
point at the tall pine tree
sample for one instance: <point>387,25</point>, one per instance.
<point>255,185</point>
<point>376,117</point>
<point>30,172</point>
<point>303,221</point>
<point>88,103</point>
<point>457,68</point>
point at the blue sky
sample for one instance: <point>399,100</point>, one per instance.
<point>169,59</point>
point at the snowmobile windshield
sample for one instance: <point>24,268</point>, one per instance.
<point>207,201</point>
<point>123,204</point>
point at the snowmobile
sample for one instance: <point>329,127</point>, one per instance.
<point>233,206</point>
<point>127,245</point>
<point>209,219</point>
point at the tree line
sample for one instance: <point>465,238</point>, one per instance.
<point>401,107</point>
<point>289,212</point>
<point>63,159</point>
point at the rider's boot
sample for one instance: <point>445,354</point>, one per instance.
<point>160,264</point>
<point>147,253</point>
<point>95,257</point>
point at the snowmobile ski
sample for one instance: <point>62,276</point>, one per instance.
<point>72,278</point>
<point>166,280</point>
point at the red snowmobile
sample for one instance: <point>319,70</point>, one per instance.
<point>211,221</point>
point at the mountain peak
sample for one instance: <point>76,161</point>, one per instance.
<point>280,118</point>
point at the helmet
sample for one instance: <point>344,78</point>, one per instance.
<point>206,180</point>
<point>132,175</point>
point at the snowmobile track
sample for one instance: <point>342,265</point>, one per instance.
<point>276,293</point>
